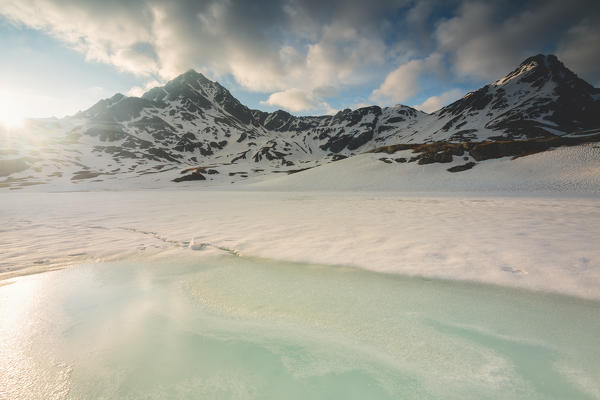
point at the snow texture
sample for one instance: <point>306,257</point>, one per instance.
<point>541,233</point>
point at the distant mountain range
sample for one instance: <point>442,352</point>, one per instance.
<point>196,125</point>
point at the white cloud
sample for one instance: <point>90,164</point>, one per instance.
<point>266,45</point>
<point>297,100</point>
<point>117,33</point>
<point>434,103</point>
<point>403,83</point>
<point>138,91</point>
<point>293,100</point>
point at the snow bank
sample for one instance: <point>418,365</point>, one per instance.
<point>574,170</point>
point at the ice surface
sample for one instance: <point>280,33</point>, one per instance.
<point>229,327</point>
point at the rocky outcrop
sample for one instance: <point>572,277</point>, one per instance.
<point>443,152</point>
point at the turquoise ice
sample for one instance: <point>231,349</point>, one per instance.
<point>227,327</point>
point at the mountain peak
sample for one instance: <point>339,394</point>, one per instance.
<point>187,85</point>
<point>192,76</point>
<point>538,70</point>
<point>115,99</point>
<point>540,59</point>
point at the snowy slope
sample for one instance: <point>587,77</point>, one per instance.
<point>562,171</point>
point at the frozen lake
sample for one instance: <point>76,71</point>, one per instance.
<point>537,243</point>
<point>219,326</point>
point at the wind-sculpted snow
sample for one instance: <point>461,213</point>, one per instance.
<point>194,122</point>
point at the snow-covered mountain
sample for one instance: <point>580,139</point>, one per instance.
<point>540,97</point>
<point>195,124</point>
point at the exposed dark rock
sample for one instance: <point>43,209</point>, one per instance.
<point>357,141</point>
<point>295,171</point>
<point>354,117</point>
<point>463,167</point>
<point>116,151</point>
<point>85,175</point>
<point>476,100</point>
<point>8,167</point>
<point>291,171</point>
<point>269,153</point>
<point>240,156</point>
<point>395,119</point>
<point>109,132</point>
<point>233,106</point>
<point>339,143</point>
<point>430,158</point>
<point>162,154</point>
<point>465,135</point>
<point>442,151</point>
<point>519,148</point>
<point>338,157</point>
<point>383,128</point>
<point>278,120</point>
<point>194,175</point>
<point>190,177</point>
<point>125,110</point>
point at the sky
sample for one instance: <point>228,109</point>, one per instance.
<point>304,56</point>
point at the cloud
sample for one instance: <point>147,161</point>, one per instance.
<point>326,91</point>
<point>292,99</point>
<point>266,45</point>
<point>111,32</point>
<point>403,83</point>
<point>344,56</point>
<point>434,103</point>
<point>297,100</point>
<point>326,48</point>
<point>138,91</point>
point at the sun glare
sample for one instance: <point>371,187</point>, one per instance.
<point>12,121</point>
<point>12,112</point>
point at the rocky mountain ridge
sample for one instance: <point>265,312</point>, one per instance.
<point>197,125</point>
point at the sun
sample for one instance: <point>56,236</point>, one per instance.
<point>12,121</point>
<point>11,115</point>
